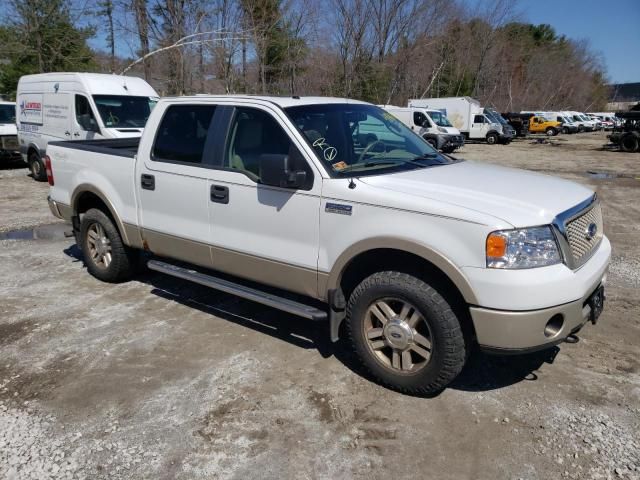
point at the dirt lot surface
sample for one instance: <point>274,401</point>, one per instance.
<point>161,379</point>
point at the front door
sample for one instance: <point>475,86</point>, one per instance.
<point>259,232</point>
<point>84,123</point>
<point>478,127</point>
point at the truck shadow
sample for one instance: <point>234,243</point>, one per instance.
<point>482,372</point>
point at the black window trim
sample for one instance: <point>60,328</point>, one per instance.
<point>207,161</point>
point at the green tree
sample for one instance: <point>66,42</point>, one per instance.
<point>41,38</point>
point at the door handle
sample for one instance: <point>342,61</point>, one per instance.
<point>148,182</point>
<point>219,194</point>
<point>67,133</point>
<point>76,134</point>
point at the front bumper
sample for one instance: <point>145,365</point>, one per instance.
<point>507,332</point>
<point>456,141</point>
<point>515,306</point>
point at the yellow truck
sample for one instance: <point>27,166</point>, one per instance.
<point>539,124</point>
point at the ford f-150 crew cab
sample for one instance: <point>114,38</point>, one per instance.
<point>333,210</point>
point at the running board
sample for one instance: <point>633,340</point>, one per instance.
<point>284,304</point>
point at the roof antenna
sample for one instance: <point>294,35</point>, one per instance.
<point>352,184</point>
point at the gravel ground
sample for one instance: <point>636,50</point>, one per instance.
<point>161,379</point>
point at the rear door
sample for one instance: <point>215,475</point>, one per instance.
<point>259,232</point>
<point>172,180</point>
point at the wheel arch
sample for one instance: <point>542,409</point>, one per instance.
<point>362,258</point>
<point>86,196</point>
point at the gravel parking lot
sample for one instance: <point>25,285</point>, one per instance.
<point>159,378</point>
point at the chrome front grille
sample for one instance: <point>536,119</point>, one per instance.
<point>580,235</point>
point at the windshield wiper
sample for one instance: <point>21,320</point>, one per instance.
<point>389,161</point>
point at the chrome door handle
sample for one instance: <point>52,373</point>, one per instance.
<point>67,133</point>
<point>76,134</point>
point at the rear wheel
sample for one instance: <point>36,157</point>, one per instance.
<point>404,333</point>
<point>551,132</point>
<point>106,256</point>
<point>629,143</point>
<point>492,138</point>
<point>37,167</point>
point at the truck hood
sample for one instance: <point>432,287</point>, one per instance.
<point>451,130</point>
<point>8,129</point>
<point>518,197</point>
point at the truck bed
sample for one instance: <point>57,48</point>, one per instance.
<point>122,147</point>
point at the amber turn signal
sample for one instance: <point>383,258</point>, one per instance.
<point>496,245</point>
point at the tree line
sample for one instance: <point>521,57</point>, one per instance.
<point>382,51</point>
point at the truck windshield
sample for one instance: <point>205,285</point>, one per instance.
<point>7,114</point>
<point>440,119</point>
<point>495,117</point>
<point>355,140</point>
<point>123,111</point>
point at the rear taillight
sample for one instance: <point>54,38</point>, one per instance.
<point>49,170</point>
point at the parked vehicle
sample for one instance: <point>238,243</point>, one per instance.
<point>584,124</point>
<point>541,124</point>
<point>519,122</point>
<point>432,125</point>
<point>78,106</point>
<point>627,137</point>
<point>466,114</point>
<point>421,255</point>
<point>607,119</point>
<point>9,150</point>
<point>568,125</point>
<point>507,129</point>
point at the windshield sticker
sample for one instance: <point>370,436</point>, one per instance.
<point>328,152</point>
<point>339,166</point>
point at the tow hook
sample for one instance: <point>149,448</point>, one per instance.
<point>572,338</point>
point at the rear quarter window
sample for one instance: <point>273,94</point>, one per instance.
<point>182,134</point>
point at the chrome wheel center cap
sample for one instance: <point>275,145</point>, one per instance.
<point>398,334</point>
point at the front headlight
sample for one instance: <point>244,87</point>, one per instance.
<point>522,248</point>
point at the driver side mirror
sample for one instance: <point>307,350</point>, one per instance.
<point>88,123</point>
<point>276,170</point>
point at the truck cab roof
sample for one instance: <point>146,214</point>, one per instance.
<point>281,101</point>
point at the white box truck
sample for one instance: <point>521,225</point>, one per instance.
<point>78,106</point>
<point>432,125</point>
<point>468,116</point>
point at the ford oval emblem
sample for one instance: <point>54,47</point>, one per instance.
<point>591,231</point>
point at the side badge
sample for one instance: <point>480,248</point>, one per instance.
<point>338,208</point>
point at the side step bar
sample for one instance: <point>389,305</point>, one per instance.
<point>284,304</point>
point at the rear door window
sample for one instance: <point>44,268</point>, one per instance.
<point>182,134</point>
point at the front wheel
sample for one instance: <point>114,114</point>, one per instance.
<point>448,149</point>
<point>551,132</point>
<point>404,333</point>
<point>106,256</point>
<point>492,138</point>
<point>629,143</point>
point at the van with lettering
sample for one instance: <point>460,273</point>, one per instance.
<point>78,106</point>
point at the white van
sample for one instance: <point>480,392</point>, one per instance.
<point>78,106</point>
<point>432,125</point>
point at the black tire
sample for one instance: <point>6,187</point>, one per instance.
<point>448,149</point>
<point>492,138</point>
<point>432,142</point>
<point>122,260</point>
<point>447,353</point>
<point>629,143</point>
<point>551,132</point>
<point>37,168</point>
<point>565,130</point>
<point>581,128</point>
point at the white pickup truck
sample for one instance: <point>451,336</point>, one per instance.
<point>352,217</point>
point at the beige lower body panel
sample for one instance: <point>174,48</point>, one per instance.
<point>270,272</point>
<point>178,248</point>
<point>509,330</point>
